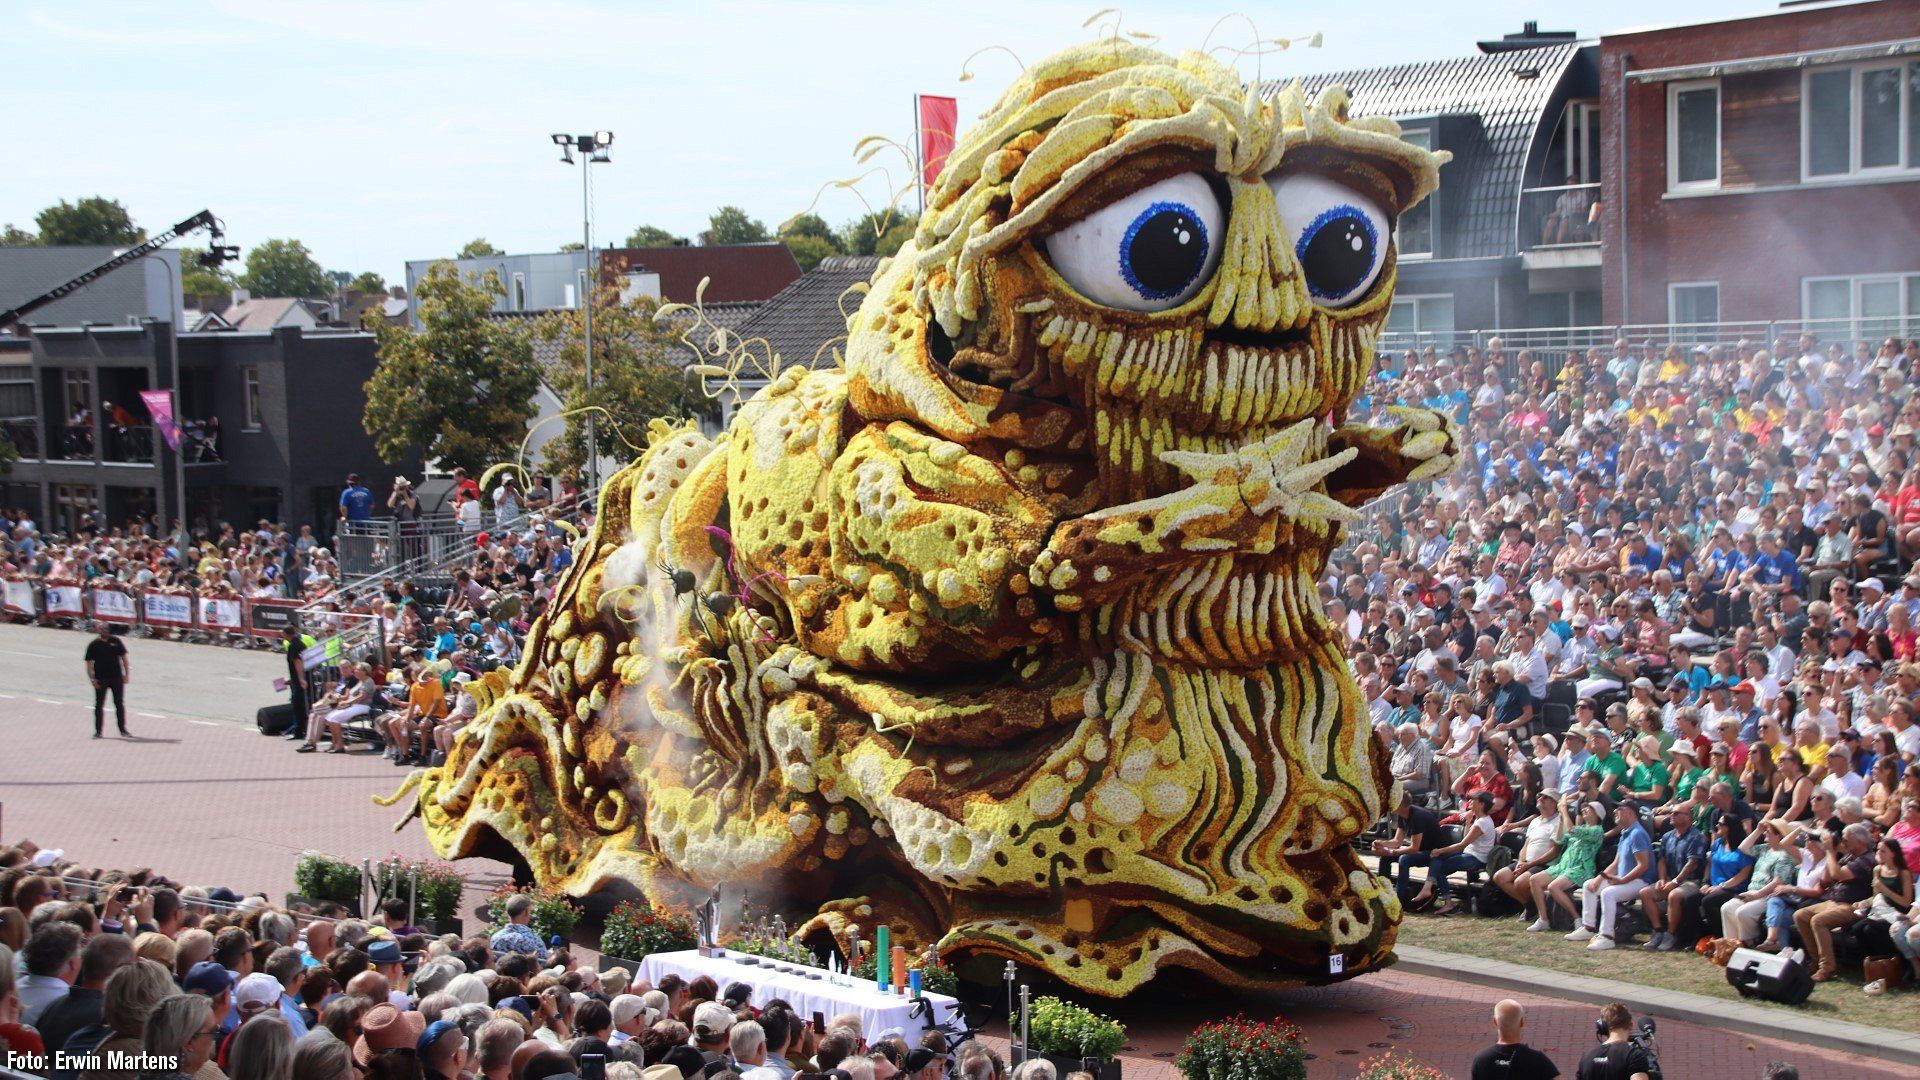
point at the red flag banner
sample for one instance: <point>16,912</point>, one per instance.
<point>939,117</point>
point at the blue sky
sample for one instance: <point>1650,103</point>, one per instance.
<point>383,130</point>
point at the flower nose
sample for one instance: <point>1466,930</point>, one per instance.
<point>1260,286</point>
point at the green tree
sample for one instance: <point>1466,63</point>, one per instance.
<point>93,220</point>
<point>368,282</point>
<point>284,268</point>
<point>337,279</point>
<point>198,280</point>
<point>639,372</point>
<point>731,225</point>
<point>12,235</point>
<point>478,248</point>
<point>809,251</point>
<point>809,239</point>
<point>880,233</point>
<point>573,245</point>
<point>460,389</point>
<point>654,236</point>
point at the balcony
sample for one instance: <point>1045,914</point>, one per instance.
<point>129,445</point>
<point>24,433</point>
<point>1560,226</point>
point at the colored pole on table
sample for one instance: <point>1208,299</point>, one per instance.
<point>882,958</point>
<point>899,969</point>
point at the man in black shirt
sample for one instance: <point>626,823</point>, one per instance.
<point>1418,835</point>
<point>1616,1058</point>
<point>108,670</point>
<point>1511,1058</point>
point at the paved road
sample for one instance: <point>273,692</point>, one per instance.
<point>200,796</point>
<point>203,682</point>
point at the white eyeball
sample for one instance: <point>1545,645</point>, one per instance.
<point>1339,235</point>
<point>1149,251</point>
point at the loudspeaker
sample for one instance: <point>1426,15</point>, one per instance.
<point>1768,975</point>
<point>274,719</point>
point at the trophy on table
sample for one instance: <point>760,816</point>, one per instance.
<point>706,921</point>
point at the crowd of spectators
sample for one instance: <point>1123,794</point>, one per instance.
<point>212,984</point>
<point>1653,647</point>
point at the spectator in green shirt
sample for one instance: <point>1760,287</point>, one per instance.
<point>1606,763</point>
<point>1576,863</point>
<point>1647,779</point>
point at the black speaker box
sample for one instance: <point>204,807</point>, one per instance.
<point>274,719</point>
<point>1768,975</point>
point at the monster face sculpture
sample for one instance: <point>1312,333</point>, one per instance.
<point>1007,633</point>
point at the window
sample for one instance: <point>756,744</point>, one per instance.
<point>1413,234</point>
<point>519,292</point>
<point>1421,317</point>
<point>250,395</point>
<point>1869,307</point>
<point>1860,120</point>
<point>1693,135</point>
<point>1693,303</point>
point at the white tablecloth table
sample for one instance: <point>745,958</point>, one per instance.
<point>878,1012</point>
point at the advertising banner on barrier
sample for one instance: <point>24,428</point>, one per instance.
<point>167,609</point>
<point>112,606</point>
<point>218,614</point>
<point>17,596</point>
<point>271,620</point>
<point>65,600</point>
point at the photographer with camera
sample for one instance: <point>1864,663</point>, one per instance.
<point>1623,1053</point>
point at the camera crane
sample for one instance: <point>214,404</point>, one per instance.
<point>215,254</point>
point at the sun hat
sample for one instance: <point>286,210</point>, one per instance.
<point>384,1027</point>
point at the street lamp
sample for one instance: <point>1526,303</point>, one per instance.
<point>593,149</point>
<point>215,254</point>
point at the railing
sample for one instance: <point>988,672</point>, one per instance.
<point>24,433</point>
<point>426,551</point>
<point>71,442</point>
<point>1552,344</point>
<point>129,445</point>
<point>1559,217</point>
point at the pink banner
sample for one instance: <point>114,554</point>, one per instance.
<point>160,406</point>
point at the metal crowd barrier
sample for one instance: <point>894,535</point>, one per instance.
<point>173,611</point>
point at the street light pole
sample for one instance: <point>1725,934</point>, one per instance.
<point>593,149</point>
<point>179,452</point>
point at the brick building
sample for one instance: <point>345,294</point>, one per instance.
<point>1765,168</point>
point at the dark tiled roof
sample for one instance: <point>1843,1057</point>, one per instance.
<point>811,312</point>
<point>734,272</point>
<point>1485,187</point>
<point>547,350</point>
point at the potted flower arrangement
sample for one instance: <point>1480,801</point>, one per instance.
<point>1073,1038</point>
<point>634,931</point>
<point>553,914</point>
<point>319,878</point>
<point>1390,1067</point>
<point>1243,1049</point>
<point>435,887</point>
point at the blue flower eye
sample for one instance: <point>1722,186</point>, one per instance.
<point>1164,250</point>
<point>1152,250</point>
<point>1340,236</point>
<point>1337,252</point>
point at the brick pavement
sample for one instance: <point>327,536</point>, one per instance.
<point>211,801</point>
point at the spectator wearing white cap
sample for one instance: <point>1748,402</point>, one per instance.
<point>711,1023</point>
<point>631,1019</point>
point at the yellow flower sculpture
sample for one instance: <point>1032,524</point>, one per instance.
<point>1006,633</point>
